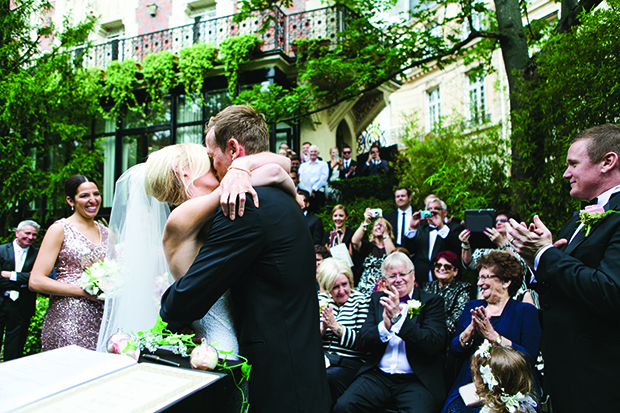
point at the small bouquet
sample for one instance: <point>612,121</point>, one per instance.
<point>99,278</point>
<point>591,215</point>
<point>414,307</point>
<point>322,304</point>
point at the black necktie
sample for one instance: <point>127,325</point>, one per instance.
<point>402,229</point>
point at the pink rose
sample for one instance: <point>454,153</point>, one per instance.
<point>594,209</point>
<point>204,357</point>
<point>121,343</point>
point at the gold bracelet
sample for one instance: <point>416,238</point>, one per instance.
<point>240,169</point>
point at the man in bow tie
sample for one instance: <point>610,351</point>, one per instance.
<point>17,302</point>
<point>430,236</point>
<point>578,279</point>
<point>405,334</point>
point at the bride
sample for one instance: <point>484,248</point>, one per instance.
<point>148,238</point>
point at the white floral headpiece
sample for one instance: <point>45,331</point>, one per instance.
<point>524,403</point>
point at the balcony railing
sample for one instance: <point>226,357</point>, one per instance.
<point>281,31</point>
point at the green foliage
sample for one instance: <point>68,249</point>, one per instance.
<point>577,88</point>
<point>465,170</point>
<point>275,102</point>
<point>160,75</point>
<point>33,342</point>
<point>44,115</point>
<point>194,64</point>
<point>380,187</point>
<point>118,89</point>
<point>235,53</point>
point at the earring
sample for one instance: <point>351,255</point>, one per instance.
<point>71,207</point>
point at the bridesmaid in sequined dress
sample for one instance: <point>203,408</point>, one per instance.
<point>71,245</point>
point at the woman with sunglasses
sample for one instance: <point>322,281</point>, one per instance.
<point>498,236</point>
<point>456,294</point>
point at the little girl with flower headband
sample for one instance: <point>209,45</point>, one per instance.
<point>503,379</point>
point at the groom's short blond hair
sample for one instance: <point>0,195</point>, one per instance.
<point>164,171</point>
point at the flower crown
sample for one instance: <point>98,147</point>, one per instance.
<point>523,403</point>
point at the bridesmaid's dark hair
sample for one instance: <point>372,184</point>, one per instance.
<point>73,183</point>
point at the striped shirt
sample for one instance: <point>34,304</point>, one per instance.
<point>351,316</point>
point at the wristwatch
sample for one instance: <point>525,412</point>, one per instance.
<point>395,319</point>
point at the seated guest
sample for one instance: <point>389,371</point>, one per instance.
<point>348,165</point>
<point>341,321</point>
<point>374,165</point>
<point>455,294</point>
<point>429,239</point>
<point>503,379</point>
<point>313,176</point>
<point>401,218</point>
<point>315,224</point>
<point>340,233</point>
<point>498,236</point>
<point>496,318</point>
<point>372,252</point>
<point>320,253</point>
<point>405,334</point>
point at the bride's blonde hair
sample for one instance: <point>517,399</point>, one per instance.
<point>163,178</point>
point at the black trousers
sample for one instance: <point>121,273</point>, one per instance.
<point>340,377</point>
<point>376,390</point>
<point>15,329</point>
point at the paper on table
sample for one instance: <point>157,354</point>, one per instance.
<point>142,388</point>
<point>28,379</point>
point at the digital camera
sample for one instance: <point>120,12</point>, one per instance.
<point>425,214</point>
<point>376,213</point>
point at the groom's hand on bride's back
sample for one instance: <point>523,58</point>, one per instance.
<point>233,186</point>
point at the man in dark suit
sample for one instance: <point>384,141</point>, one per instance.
<point>17,302</point>
<point>374,165</point>
<point>349,166</point>
<point>432,236</point>
<point>405,367</point>
<point>315,224</point>
<point>401,218</point>
<point>266,258</point>
<point>578,279</point>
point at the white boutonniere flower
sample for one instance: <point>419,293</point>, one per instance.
<point>414,307</point>
<point>591,215</point>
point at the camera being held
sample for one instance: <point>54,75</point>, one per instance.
<point>376,212</point>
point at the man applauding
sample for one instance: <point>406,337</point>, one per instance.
<point>405,334</point>
<point>578,279</point>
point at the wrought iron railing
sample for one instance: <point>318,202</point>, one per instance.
<point>281,31</point>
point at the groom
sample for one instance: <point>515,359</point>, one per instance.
<point>578,279</point>
<point>270,271</point>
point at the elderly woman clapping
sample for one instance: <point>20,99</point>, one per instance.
<point>496,318</point>
<point>343,313</point>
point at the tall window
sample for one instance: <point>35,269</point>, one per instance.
<point>476,107</point>
<point>433,106</point>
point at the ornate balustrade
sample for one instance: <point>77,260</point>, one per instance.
<point>281,31</point>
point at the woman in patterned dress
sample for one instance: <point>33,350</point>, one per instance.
<point>71,245</point>
<point>372,252</point>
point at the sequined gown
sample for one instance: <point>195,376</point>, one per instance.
<point>74,320</point>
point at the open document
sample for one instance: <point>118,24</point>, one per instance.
<point>73,379</point>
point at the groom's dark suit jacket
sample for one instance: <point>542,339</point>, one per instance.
<point>579,286</point>
<point>424,336</point>
<point>24,306</point>
<point>267,260</point>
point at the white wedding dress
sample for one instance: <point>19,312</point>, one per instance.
<point>136,226</point>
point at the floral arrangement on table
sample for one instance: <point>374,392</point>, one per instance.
<point>414,307</point>
<point>591,215</point>
<point>202,357</point>
<point>100,278</point>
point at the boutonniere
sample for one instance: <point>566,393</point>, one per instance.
<point>591,215</point>
<point>414,307</point>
